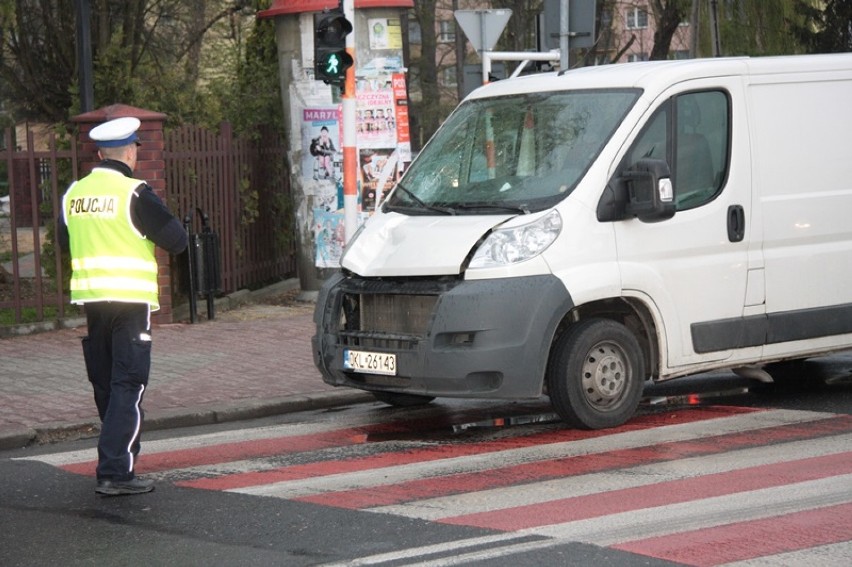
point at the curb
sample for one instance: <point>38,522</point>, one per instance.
<point>251,409</point>
<point>187,417</point>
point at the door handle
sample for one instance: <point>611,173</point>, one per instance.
<point>736,223</point>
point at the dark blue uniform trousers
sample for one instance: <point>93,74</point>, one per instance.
<point>118,360</point>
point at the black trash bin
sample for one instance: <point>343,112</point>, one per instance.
<point>205,277</point>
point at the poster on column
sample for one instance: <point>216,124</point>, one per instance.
<point>385,33</point>
<point>321,150</point>
<point>329,237</point>
<point>403,134</point>
<point>377,175</point>
<point>322,168</point>
<point>376,124</point>
<point>375,121</point>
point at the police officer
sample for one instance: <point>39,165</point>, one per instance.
<point>110,223</point>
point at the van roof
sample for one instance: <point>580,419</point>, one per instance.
<point>656,75</point>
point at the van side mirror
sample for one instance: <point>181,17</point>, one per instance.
<point>650,193</point>
<point>613,202</point>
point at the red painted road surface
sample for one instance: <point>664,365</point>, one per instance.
<point>698,486</point>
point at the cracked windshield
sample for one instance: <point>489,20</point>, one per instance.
<point>520,153</point>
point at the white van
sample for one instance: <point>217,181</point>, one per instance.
<point>575,234</point>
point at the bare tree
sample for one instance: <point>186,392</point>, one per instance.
<point>828,30</point>
<point>825,29</point>
<point>668,15</point>
<point>36,59</point>
<point>428,109</point>
<point>693,22</point>
<point>133,42</point>
<point>608,45</point>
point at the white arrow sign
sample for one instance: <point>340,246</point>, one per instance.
<point>483,27</point>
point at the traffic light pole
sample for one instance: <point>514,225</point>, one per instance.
<point>350,155</point>
<point>334,64</point>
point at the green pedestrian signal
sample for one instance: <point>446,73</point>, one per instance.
<point>331,67</point>
<point>331,60</point>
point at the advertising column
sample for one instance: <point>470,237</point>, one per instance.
<point>315,128</point>
<point>379,85</point>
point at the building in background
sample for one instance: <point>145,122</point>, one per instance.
<point>630,28</point>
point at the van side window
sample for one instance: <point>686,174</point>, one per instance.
<point>701,147</point>
<point>691,132</point>
<point>654,140</point>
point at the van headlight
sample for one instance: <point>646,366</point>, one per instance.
<point>518,244</point>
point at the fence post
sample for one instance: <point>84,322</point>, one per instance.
<point>150,167</point>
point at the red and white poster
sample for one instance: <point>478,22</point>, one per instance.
<point>403,134</point>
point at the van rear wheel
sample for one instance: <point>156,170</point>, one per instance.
<point>402,400</point>
<point>596,374</point>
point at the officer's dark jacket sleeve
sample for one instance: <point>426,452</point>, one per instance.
<point>151,217</point>
<point>62,237</point>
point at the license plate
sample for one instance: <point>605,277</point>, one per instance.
<point>369,362</point>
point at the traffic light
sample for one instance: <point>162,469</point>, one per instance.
<point>330,57</point>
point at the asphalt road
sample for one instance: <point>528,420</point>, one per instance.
<point>51,516</point>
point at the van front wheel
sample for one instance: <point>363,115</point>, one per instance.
<point>596,375</point>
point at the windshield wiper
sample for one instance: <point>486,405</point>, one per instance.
<point>494,207</point>
<point>419,201</point>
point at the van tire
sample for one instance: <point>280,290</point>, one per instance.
<point>596,374</point>
<point>402,400</point>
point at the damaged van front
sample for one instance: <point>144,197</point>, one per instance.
<point>448,289</point>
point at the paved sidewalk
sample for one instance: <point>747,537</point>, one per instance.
<point>251,361</point>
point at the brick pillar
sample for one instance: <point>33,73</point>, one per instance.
<point>150,167</point>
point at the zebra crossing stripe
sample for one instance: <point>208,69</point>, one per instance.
<point>694,487</point>
<point>203,441</point>
<point>603,486</point>
<point>499,484</point>
<point>835,554</point>
<point>473,461</point>
<point>755,538</point>
<point>232,446</point>
<point>260,475</point>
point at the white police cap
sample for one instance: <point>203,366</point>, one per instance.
<point>116,133</point>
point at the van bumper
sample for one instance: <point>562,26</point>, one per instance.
<point>451,337</point>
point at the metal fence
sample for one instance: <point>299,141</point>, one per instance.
<point>241,184</point>
<point>29,270</point>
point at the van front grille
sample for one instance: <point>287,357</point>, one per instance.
<point>386,321</point>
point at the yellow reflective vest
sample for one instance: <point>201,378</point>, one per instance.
<point>110,259</point>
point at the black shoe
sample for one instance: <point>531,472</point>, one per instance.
<point>122,487</point>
